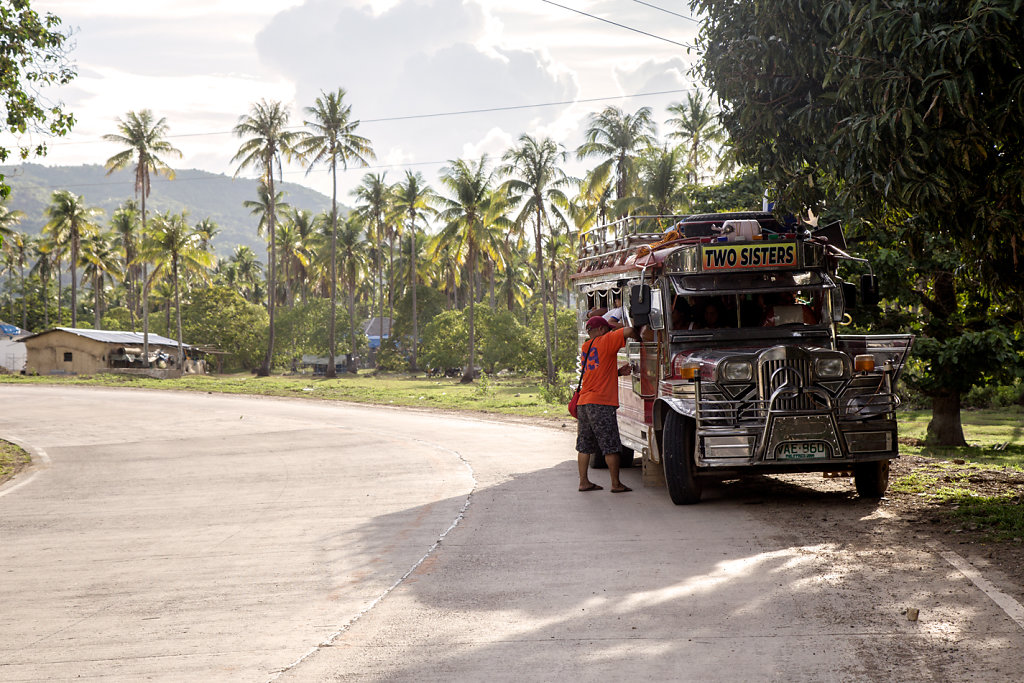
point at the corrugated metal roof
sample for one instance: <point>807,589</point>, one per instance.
<point>115,336</point>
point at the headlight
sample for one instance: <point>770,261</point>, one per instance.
<point>737,371</point>
<point>829,367</point>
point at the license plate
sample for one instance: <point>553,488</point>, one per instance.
<point>800,450</point>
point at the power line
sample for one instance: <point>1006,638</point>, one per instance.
<point>615,23</point>
<point>431,115</point>
<point>667,11</point>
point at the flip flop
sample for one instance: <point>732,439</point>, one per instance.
<point>624,489</point>
<point>592,487</point>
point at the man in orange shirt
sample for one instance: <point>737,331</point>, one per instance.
<point>597,430</point>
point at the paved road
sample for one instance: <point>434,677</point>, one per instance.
<point>200,537</point>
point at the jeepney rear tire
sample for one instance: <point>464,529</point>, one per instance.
<point>598,462</point>
<point>679,444</point>
<point>871,478</point>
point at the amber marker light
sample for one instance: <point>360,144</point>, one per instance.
<point>864,362</point>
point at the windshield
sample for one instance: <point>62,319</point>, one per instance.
<point>798,307</point>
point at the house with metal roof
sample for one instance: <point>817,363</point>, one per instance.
<point>71,350</point>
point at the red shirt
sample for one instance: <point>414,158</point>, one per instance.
<point>601,369</point>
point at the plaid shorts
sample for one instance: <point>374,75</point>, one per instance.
<point>597,430</point>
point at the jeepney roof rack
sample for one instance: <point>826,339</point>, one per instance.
<point>610,244</point>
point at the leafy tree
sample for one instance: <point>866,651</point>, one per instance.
<point>907,115</point>
<point>910,107</point>
<point>331,138</point>
<point>144,138</point>
<point>68,215</point>
<point>444,341</point>
<point>266,140</point>
<point>220,317</point>
<point>32,58</point>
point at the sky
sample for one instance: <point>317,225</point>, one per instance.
<point>201,64</point>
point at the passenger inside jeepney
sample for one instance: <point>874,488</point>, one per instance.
<point>784,308</point>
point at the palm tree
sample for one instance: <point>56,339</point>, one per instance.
<point>412,199</point>
<point>68,213</point>
<point>351,243</point>
<point>697,129</point>
<point>207,229</point>
<point>262,207</point>
<point>101,262</point>
<point>375,198</point>
<point>174,247</point>
<point>144,137</point>
<point>618,139</point>
<point>294,255</point>
<point>468,211</point>
<point>125,226</point>
<point>662,187</point>
<point>247,271</point>
<point>266,141</point>
<point>537,185</point>
<point>331,138</point>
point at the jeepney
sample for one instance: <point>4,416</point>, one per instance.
<point>742,367</point>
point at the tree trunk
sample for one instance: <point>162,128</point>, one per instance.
<point>96,300</point>
<point>74,277</point>
<point>177,312</point>
<point>543,291</point>
<point>145,291</point>
<point>332,348</point>
<point>945,428</point>
<point>271,277</point>
<point>412,276</point>
<point>352,319</point>
<point>468,375</point>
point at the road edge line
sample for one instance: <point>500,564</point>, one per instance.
<point>1010,606</point>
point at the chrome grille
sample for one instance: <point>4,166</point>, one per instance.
<point>796,372</point>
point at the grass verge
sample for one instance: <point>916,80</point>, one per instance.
<point>12,460</point>
<point>525,396</point>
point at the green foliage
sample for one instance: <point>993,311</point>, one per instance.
<point>444,341</point>
<point>889,108</point>
<point>220,317</point>
<point>118,318</point>
<point>32,57</point>
<point>303,329</point>
<point>390,358</point>
<point>503,343</point>
<point>741,192</point>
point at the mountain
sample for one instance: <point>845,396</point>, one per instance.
<point>202,194</point>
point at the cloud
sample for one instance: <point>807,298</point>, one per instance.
<point>415,57</point>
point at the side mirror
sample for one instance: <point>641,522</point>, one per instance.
<point>849,295</point>
<point>640,305</point>
<point>869,289</point>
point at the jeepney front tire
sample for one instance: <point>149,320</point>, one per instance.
<point>679,445</point>
<point>871,478</point>
<point>597,461</point>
